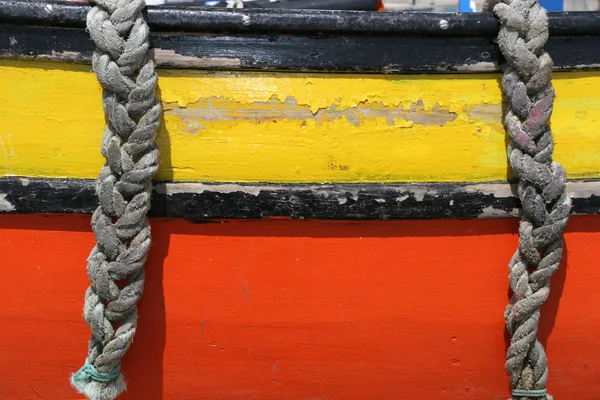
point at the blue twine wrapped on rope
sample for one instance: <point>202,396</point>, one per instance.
<point>89,373</point>
<point>529,393</point>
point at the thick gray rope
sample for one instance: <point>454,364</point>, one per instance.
<point>115,265</point>
<point>546,204</point>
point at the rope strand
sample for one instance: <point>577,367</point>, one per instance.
<point>546,204</point>
<point>115,265</point>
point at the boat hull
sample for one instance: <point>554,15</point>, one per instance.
<point>332,219</point>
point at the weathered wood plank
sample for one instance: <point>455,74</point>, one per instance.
<point>196,37</point>
<point>299,310</point>
<point>326,201</point>
<point>292,127</point>
<point>367,53</point>
<point>192,18</point>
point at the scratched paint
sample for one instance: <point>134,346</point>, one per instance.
<point>367,311</point>
<point>292,127</point>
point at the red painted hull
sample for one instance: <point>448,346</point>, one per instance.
<point>302,310</point>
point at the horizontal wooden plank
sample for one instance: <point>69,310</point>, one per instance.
<point>292,127</point>
<point>323,52</point>
<point>300,310</point>
<point>326,201</point>
<point>194,18</point>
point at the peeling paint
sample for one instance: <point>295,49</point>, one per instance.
<point>493,212</point>
<point>220,109</point>
<point>576,189</point>
<point>482,66</point>
<point>321,201</point>
<point>5,205</point>
<point>583,190</point>
<point>294,127</point>
<point>187,187</point>
<point>419,192</point>
<point>488,113</point>
<point>501,189</point>
<point>169,58</point>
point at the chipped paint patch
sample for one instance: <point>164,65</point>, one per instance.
<point>323,201</point>
<point>187,187</point>
<point>482,66</point>
<point>488,113</point>
<point>169,58</point>
<point>5,205</point>
<point>196,114</point>
<point>294,127</point>
<point>583,189</point>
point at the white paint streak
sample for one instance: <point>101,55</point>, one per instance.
<point>583,190</point>
<point>187,187</point>
<point>165,57</point>
<point>419,192</point>
<point>577,189</point>
<point>491,212</point>
<point>5,205</point>
<point>483,66</point>
<point>497,189</point>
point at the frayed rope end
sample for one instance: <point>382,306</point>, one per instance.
<point>96,385</point>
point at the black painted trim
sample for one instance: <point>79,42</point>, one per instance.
<point>302,201</point>
<point>297,40</point>
<point>205,19</point>
<point>334,53</point>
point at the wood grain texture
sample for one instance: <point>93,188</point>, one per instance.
<point>301,310</point>
<point>292,127</point>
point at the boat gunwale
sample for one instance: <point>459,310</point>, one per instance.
<point>192,18</point>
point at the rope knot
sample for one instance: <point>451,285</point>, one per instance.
<point>89,373</point>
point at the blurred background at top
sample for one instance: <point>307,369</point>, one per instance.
<point>378,5</point>
<point>476,5</point>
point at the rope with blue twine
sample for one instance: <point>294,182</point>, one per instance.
<point>89,372</point>
<point>115,265</point>
<point>529,393</point>
<point>546,204</point>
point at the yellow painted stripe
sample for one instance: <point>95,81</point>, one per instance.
<point>292,127</point>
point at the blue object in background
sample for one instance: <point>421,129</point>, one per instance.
<point>465,6</point>
<point>552,5</point>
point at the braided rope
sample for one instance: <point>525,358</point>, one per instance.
<point>115,265</point>
<point>546,204</point>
